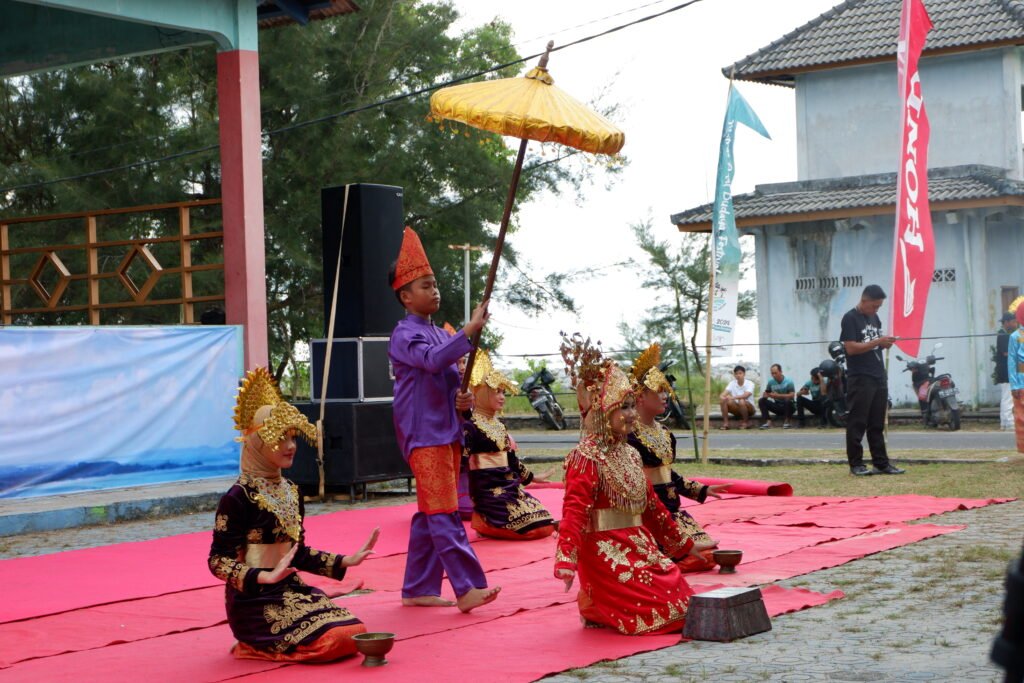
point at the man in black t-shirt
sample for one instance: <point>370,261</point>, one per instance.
<point>867,393</point>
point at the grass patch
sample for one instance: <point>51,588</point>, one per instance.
<point>945,480</point>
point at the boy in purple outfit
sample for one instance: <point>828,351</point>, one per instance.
<point>426,409</point>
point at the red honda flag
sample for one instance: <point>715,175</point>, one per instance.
<point>914,249</point>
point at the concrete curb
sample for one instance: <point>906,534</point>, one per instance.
<point>50,513</point>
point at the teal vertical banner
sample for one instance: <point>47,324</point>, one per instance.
<point>727,254</point>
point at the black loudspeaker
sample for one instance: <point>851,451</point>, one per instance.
<point>360,369</point>
<point>373,235</point>
<point>360,447</point>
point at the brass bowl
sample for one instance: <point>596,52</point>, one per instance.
<point>374,646</point>
<point>727,560</point>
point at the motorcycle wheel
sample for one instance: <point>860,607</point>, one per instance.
<point>954,420</point>
<point>547,419</point>
<point>558,417</point>
<point>836,417</point>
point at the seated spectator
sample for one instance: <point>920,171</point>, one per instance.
<point>778,399</point>
<point>812,398</point>
<point>738,399</point>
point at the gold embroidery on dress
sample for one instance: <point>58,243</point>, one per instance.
<point>524,511</point>
<point>676,610</point>
<point>689,528</point>
<point>221,523</point>
<point>294,607</point>
<point>620,472</point>
<point>657,440</point>
<point>497,491</point>
<point>571,558</point>
<point>493,429</point>
<point>255,536</point>
<point>280,498</point>
<point>230,571</point>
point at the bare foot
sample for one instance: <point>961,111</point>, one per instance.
<point>427,601</point>
<point>706,545</point>
<point>477,597</point>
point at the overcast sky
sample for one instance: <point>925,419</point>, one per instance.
<point>666,75</point>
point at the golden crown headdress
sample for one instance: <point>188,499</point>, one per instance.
<point>1014,304</point>
<point>258,390</point>
<point>646,371</point>
<point>601,378</point>
<point>484,373</point>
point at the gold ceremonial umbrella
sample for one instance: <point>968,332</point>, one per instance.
<point>531,108</point>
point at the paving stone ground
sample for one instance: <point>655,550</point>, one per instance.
<point>924,612</point>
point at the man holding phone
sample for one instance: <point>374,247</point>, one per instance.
<point>867,391</point>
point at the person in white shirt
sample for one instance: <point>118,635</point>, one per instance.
<point>738,399</point>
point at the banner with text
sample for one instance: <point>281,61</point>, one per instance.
<point>87,408</point>
<point>726,242</point>
<point>914,247</point>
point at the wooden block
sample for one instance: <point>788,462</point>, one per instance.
<point>726,614</point>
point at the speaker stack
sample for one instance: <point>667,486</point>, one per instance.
<point>359,435</point>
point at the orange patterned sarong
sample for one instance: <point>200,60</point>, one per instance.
<point>436,469</point>
<point>333,644</point>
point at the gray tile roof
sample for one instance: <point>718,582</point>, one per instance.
<point>858,30</point>
<point>774,201</point>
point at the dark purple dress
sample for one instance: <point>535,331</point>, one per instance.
<point>252,517</point>
<point>657,448</point>
<point>497,492</point>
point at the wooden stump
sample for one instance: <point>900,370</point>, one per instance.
<point>726,614</point>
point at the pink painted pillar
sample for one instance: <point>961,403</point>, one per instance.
<point>245,287</point>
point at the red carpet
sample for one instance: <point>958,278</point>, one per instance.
<point>153,606</point>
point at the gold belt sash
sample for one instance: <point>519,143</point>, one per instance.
<point>662,474</point>
<point>484,461</point>
<point>266,555</point>
<point>1020,367</point>
<point>609,519</point>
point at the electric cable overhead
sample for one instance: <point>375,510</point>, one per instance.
<point>353,110</point>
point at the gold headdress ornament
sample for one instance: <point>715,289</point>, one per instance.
<point>259,391</point>
<point>646,373</point>
<point>1014,304</point>
<point>601,385</point>
<point>484,373</point>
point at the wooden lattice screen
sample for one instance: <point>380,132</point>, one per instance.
<point>95,267</point>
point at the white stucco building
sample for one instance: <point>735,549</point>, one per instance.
<point>820,239</point>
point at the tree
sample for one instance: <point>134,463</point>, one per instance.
<point>678,277</point>
<point>455,179</point>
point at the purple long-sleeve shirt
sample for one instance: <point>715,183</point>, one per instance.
<point>426,380</point>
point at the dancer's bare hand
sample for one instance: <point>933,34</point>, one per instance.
<point>477,320</point>
<point>568,576</point>
<point>715,489</point>
<point>281,570</point>
<point>360,555</point>
<point>464,401</point>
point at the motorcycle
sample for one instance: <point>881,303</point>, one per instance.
<point>537,388</point>
<point>675,412</point>
<point>936,396</point>
<point>833,372</point>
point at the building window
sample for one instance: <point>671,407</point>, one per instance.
<point>944,275</point>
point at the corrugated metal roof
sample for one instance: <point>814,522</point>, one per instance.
<point>859,30</point>
<point>953,184</point>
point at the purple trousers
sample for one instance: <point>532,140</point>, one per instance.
<point>438,545</point>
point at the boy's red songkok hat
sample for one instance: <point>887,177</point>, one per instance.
<point>412,260</point>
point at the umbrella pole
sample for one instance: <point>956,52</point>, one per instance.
<point>499,244</point>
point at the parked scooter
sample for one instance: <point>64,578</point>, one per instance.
<point>936,396</point>
<point>537,388</point>
<point>675,411</point>
<point>833,373</point>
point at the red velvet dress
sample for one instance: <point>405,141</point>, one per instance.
<point>611,528</point>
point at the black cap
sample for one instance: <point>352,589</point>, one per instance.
<point>1007,317</point>
<point>815,370</point>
